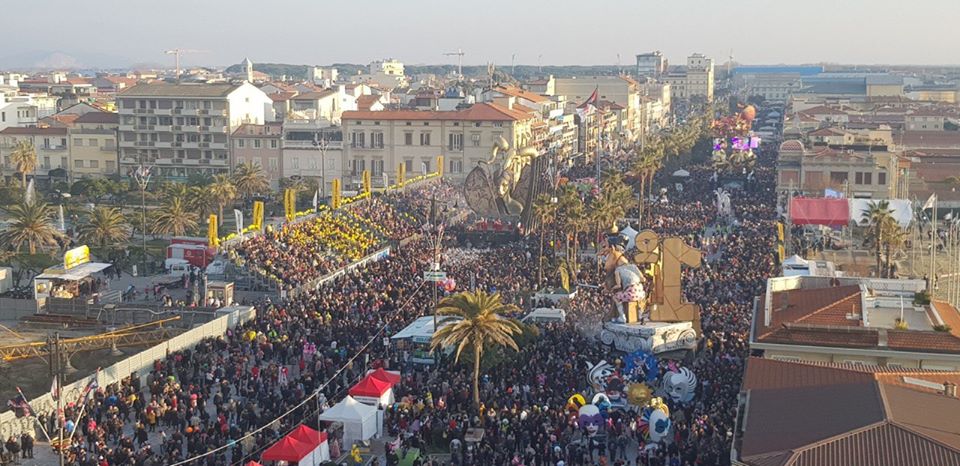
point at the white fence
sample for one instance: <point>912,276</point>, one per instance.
<point>140,363</point>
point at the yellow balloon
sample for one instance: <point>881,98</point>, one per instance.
<point>638,394</point>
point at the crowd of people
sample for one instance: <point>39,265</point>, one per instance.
<point>225,401</point>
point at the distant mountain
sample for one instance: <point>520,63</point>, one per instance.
<point>60,60</point>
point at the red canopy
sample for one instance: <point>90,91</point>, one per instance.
<point>370,387</point>
<point>820,211</point>
<point>253,463</point>
<point>308,435</point>
<point>385,376</point>
<point>287,449</point>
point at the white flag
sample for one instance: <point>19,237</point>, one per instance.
<point>238,217</point>
<point>55,389</point>
<point>386,180</point>
<point>29,193</point>
<point>931,201</point>
<point>316,198</point>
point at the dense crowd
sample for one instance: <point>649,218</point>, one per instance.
<point>222,399</point>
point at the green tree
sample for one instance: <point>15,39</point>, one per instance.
<point>249,179</point>
<point>876,215</point>
<point>31,224</point>
<point>481,325</point>
<point>104,227</point>
<point>24,157</point>
<point>174,217</point>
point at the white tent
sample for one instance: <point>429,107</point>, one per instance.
<point>795,266</point>
<point>359,420</point>
<point>631,235</point>
<point>681,173</point>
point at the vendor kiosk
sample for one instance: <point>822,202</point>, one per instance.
<point>415,338</point>
<point>72,280</point>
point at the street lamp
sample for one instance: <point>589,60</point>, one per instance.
<point>321,144</point>
<point>142,177</point>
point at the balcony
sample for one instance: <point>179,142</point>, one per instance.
<point>143,127</point>
<point>164,144</point>
<point>331,145</point>
<point>163,128</point>
<point>52,148</point>
<point>190,128</point>
<point>191,161</point>
<point>190,145</point>
<point>144,143</point>
<point>219,162</point>
<point>112,148</point>
<point>126,127</point>
<point>218,145</point>
<point>164,161</point>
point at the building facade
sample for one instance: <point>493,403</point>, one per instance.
<point>651,64</point>
<point>696,80</point>
<point>872,174</point>
<point>51,145</point>
<point>259,145</point>
<point>93,145</point>
<point>185,128</point>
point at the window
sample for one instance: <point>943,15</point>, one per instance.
<point>868,178</point>
<point>838,177</point>
<point>376,167</point>
<point>111,165</point>
<point>475,137</point>
<point>240,143</point>
<point>858,178</point>
<point>425,139</point>
<point>456,123</point>
<point>409,123</point>
<point>273,143</point>
<point>477,124</point>
<point>408,139</point>
<point>78,141</point>
<point>295,162</point>
<point>425,166</point>
<point>376,140</point>
<point>455,141</point>
<point>94,164</point>
<point>256,143</point>
<point>882,178</point>
<point>274,163</point>
<point>63,162</point>
<point>92,142</point>
<point>357,138</point>
<point>456,166</point>
<point>408,164</point>
<point>357,166</point>
<point>78,164</point>
<point>498,124</point>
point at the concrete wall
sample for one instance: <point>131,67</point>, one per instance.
<point>141,363</point>
<point>14,309</point>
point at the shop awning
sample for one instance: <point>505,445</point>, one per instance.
<point>819,211</point>
<point>77,273</point>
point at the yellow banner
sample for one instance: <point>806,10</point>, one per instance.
<point>213,240</point>
<point>780,231</point>
<point>75,257</point>
<point>366,182</point>
<point>440,165</point>
<point>401,174</point>
<point>335,196</point>
<point>258,215</point>
<point>289,204</point>
<point>781,252</point>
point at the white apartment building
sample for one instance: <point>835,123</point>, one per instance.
<point>385,74</point>
<point>696,80</point>
<point>381,141</point>
<point>184,128</point>
<point>17,111</point>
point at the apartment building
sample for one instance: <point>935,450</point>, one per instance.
<point>185,128</point>
<point>651,65</point>
<point>51,144</point>
<point>380,141</point>
<point>93,145</point>
<point>623,91</point>
<point>867,174</point>
<point>260,145</point>
<point>695,80</point>
<point>312,149</point>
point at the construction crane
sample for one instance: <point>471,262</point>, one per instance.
<point>135,335</point>
<point>176,54</point>
<point>459,54</point>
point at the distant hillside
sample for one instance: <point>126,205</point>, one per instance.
<point>520,72</point>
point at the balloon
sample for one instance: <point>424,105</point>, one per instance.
<point>638,394</point>
<point>749,113</point>
<point>575,402</point>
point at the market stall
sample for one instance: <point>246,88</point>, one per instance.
<point>373,391</point>
<point>415,339</point>
<point>292,451</point>
<point>74,279</point>
<point>360,421</point>
<point>309,436</point>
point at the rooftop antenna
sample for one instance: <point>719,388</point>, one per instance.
<point>459,54</point>
<point>619,71</point>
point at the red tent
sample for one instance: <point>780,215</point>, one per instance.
<point>820,211</point>
<point>287,449</point>
<point>253,463</point>
<point>370,387</point>
<point>385,376</point>
<point>308,435</point>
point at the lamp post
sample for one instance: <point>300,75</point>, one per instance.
<point>142,177</point>
<point>321,144</point>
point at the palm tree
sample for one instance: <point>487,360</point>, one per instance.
<point>174,217</point>
<point>480,326</point>
<point>201,200</point>
<point>223,192</point>
<point>31,223</point>
<point>545,210</point>
<point>893,238</point>
<point>104,227</point>
<point>24,156</point>
<point>249,179</point>
<point>876,214</point>
<point>574,219</point>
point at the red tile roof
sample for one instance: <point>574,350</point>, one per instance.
<point>281,96</point>
<point>316,95</point>
<point>98,118</point>
<point>16,130</point>
<point>476,112</point>
<point>814,306</point>
<point>364,102</point>
<point>524,94</point>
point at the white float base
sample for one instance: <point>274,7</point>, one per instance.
<point>652,337</point>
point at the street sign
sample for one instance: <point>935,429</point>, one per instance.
<point>434,275</point>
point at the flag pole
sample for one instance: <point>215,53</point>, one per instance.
<point>34,414</point>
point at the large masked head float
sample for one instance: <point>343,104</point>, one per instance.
<point>591,420</point>
<point>679,385</point>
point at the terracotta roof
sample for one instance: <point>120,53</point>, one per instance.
<point>476,112</point>
<point>826,415</point>
<point>827,132</point>
<point>16,130</point>
<point>524,94</point>
<point>931,139</point>
<point>523,108</point>
<point>814,306</point>
<point>98,118</point>
<point>316,95</point>
<point>364,102</point>
<point>823,110</point>
<point>926,341</point>
<point>281,96</point>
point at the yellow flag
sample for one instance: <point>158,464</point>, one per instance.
<point>440,166</point>
<point>366,182</point>
<point>289,204</point>
<point>335,195</point>
<point>780,231</point>
<point>257,215</point>
<point>401,174</point>
<point>212,239</point>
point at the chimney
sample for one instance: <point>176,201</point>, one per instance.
<point>950,389</point>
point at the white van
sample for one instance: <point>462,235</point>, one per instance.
<point>545,315</point>
<point>177,267</point>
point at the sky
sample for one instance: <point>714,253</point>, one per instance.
<point>561,32</point>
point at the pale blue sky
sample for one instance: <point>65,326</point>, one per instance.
<point>419,31</point>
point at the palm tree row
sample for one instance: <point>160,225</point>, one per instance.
<point>884,233</point>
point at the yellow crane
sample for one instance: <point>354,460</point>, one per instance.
<point>134,335</point>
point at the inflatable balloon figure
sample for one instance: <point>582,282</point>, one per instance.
<point>641,366</point>
<point>638,394</point>
<point>501,186</point>
<point>597,375</point>
<point>732,149</point>
<point>591,421</point>
<point>624,280</point>
<point>655,422</point>
<point>679,385</point>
